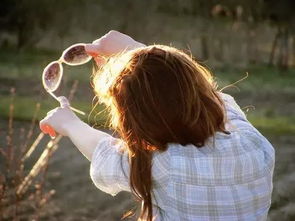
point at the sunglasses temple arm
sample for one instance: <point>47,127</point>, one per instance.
<point>72,108</point>
<point>77,111</point>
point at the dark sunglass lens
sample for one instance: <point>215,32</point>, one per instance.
<point>76,55</point>
<point>52,76</point>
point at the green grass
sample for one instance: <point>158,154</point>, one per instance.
<point>30,64</point>
<point>18,66</point>
<point>24,108</point>
<point>274,126</point>
<point>261,79</point>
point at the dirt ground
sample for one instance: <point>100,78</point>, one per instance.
<point>76,196</point>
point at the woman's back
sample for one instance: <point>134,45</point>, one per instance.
<point>227,179</point>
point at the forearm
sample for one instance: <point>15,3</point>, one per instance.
<point>84,137</point>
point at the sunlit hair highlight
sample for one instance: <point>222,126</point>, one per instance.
<point>158,95</point>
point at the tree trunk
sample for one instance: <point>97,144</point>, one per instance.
<point>27,36</point>
<point>292,49</point>
<point>286,49</point>
<point>283,61</point>
<point>273,49</point>
<point>204,46</point>
<point>21,36</point>
<point>252,45</point>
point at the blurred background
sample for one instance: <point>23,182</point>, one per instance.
<point>231,37</point>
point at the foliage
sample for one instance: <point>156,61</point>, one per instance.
<point>26,17</point>
<point>23,192</point>
<point>22,188</point>
<point>30,19</point>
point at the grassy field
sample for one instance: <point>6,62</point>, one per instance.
<point>268,89</point>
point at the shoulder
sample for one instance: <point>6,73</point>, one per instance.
<point>233,110</point>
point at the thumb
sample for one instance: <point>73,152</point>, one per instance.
<point>47,129</point>
<point>64,102</point>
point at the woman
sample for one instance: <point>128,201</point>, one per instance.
<point>186,150</point>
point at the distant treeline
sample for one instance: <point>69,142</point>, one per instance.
<point>227,31</point>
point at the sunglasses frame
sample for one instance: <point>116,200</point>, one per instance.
<point>59,63</point>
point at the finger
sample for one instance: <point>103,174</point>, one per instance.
<point>51,131</point>
<point>47,129</point>
<point>44,128</point>
<point>63,101</point>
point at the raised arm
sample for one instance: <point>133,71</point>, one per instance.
<point>63,120</point>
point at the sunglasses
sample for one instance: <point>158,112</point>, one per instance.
<point>53,72</point>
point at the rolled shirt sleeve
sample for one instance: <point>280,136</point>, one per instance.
<point>109,168</point>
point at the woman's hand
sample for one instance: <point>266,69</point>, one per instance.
<point>59,119</point>
<point>65,122</point>
<point>110,44</point>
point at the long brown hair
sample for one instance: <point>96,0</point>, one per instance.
<point>158,95</point>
